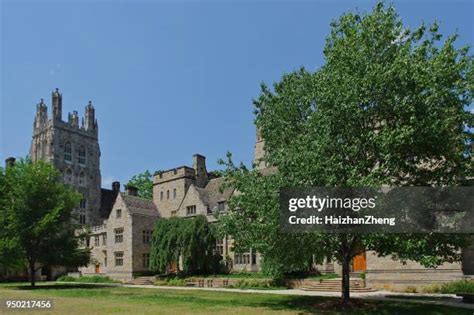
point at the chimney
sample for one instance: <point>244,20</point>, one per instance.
<point>199,166</point>
<point>132,191</point>
<point>9,162</point>
<point>116,187</point>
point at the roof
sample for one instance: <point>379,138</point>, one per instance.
<point>107,200</point>
<point>138,205</point>
<point>211,194</point>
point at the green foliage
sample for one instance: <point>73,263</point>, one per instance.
<point>189,240</point>
<point>144,183</point>
<point>87,279</point>
<point>36,218</point>
<point>388,107</point>
<point>254,284</point>
<point>173,282</point>
<point>453,287</point>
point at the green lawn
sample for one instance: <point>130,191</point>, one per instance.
<point>95,299</point>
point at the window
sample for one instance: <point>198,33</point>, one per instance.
<point>105,258</point>
<point>68,152</point>
<point>146,260</point>
<point>118,214</point>
<point>147,236</point>
<point>161,195</point>
<point>118,258</point>
<point>81,156</point>
<point>174,193</point>
<point>174,213</point>
<point>96,240</point>
<point>242,259</point>
<point>167,194</point>
<point>220,247</point>
<point>254,258</point>
<point>83,203</point>
<point>81,178</point>
<point>221,206</point>
<point>190,210</point>
<point>104,239</point>
<point>82,218</point>
<point>119,235</point>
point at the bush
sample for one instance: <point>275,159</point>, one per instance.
<point>87,279</point>
<point>453,287</point>
<point>410,289</point>
<point>173,282</point>
<point>254,284</point>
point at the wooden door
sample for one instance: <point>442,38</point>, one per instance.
<point>359,263</point>
<point>97,268</point>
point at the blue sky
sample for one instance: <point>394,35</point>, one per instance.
<point>168,79</point>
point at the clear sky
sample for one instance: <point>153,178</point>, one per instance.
<point>168,79</point>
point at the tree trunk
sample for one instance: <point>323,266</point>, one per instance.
<point>345,280</point>
<point>32,273</point>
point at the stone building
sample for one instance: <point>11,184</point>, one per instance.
<point>120,246</point>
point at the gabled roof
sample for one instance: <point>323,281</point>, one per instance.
<point>138,205</point>
<point>211,194</point>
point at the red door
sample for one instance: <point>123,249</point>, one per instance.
<point>97,268</point>
<point>360,262</point>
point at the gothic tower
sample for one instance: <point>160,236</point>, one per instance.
<point>73,149</point>
<point>259,151</point>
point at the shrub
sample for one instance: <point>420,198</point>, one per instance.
<point>410,289</point>
<point>66,279</point>
<point>254,284</point>
<point>453,287</point>
<point>173,282</point>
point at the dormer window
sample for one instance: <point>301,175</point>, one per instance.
<point>68,152</point>
<point>118,213</point>
<point>81,155</point>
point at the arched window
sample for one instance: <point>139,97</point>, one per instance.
<point>83,203</point>
<point>81,157</point>
<point>161,195</point>
<point>174,193</point>
<point>68,152</point>
<point>167,194</point>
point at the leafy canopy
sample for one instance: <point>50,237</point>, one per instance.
<point>36,217</point>
<point>190,241</point>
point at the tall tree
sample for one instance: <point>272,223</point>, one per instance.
<point>144,183</point>
<point>388,107</point>
<point>36,217</point>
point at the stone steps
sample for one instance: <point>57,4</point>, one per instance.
<point>335,285</point>
<point>143,281</point>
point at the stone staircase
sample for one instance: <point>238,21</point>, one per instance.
<point>334,285</point>
<point>143,281</point>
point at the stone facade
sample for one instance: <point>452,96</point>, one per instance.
<point>73,149</point>
<point>120,246</point>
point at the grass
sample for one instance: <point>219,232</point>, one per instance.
<point>79,298</point>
